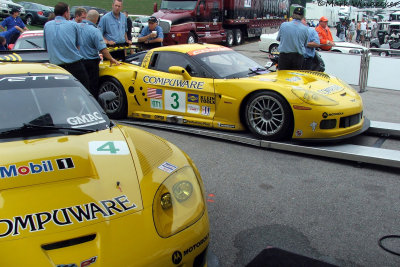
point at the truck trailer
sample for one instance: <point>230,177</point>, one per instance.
<point>219,21</point>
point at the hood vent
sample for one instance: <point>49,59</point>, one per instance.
<point>69,242</point>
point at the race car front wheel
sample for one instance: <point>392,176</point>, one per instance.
<point>268,115</point>
<point>117,108</point>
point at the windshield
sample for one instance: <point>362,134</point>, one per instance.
<point>228,64</point>
<point>58,98</point>
<point>30,42</point>
<point>174,5</point>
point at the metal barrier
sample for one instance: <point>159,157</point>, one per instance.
<point>365,69</point>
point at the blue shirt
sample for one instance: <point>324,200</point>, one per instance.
<point>146,31</point>
<point>112,28</point>
<point>10,22</point>
<point>312,37</point>
<point>62,41</point>
<point>9,33</point>
<point>293,37</point>
<point>91,39</point>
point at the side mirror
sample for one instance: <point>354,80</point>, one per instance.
<point>106,98</point>
<point>155,8</point>
<point>180,71</point>
<point>202,10</point>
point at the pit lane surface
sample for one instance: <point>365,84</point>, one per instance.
<point>327,209</point>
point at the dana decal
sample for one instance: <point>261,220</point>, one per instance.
<point>85,120</point>
<point>173,82</point>
<point>65,216</point>
<point>13,170</point>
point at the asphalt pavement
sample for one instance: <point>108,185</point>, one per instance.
<point>327,209</point>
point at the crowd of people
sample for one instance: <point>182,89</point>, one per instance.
<point>76,44</point>
<point>352,31</point>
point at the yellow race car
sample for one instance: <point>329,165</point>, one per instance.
<point>78,190</point>
<point>216,87</point>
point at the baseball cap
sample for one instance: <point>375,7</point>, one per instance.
<point>299,11</point>
<point>152,19</point>
<point>14,9</point>
<point>323,19</point>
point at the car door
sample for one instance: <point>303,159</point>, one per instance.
<point>174,97</point>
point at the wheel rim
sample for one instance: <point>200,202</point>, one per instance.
<point>238,37</point>
<point>114,105</point>
<point>382,54</point>
<point>29,21</point>
<point>230,39</point>
<point>266,115</point>
<point>191,40</point>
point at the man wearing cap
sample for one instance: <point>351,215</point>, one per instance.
<point>293,37</point>
<point>92,43</point>
<point>325,35</point>
<point>14,21</point>
<point>152,35</point>
<point>113,25</point>
<point>62,42</point>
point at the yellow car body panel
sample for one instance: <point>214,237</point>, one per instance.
<point>71,200</point>
<point>220,103</point>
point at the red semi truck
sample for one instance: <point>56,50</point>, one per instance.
<point>218,21</point>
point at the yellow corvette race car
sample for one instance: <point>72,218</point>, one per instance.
<point>216,87</point>
<point>78,190</point>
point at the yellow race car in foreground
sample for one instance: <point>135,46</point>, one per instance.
<point>78,190</point>
<point>216,87</point>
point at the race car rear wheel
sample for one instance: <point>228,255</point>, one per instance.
<point>268,115</point>
<point>117,108</point>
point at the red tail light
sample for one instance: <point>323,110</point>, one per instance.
<point>40,13</point>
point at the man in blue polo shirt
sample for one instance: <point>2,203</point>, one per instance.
<point>8,35</point>
<point>312,43</point>
<point>11,22</point>
<point>293,37</point>
<point>62,42</point>
<point>92,43</point>
<point>113,25</point>
<point>152,35</point>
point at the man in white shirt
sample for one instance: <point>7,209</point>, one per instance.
<point>363,30</point>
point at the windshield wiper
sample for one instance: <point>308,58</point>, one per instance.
<point>29,127</point>
<point>33,43</point>
<point>258,70</point>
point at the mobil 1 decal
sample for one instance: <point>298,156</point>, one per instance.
<point>108,148</point>
<point>35,167</point>
<point>175,101</point>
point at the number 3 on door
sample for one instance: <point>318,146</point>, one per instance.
<point>175,101</point>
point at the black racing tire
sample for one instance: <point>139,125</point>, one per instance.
<point>238,36</point>
<point>116,109</point>
<point>191,38</point>
<point>273,48</point>
<point>28,20</point>
<point>229,38</point>
<point>269,116</point>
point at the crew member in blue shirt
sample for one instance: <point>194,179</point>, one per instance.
<point>14,21</point>
<point>312,43</point>
<point>92,43</point>
<point>62,42</point>
<point>152,35</point>
<point>293,38</point>
<point>113,25</point>
<point>9,34</point>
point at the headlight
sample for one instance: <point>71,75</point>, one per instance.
<point>346,85</point>
<point>313,98</point>
<point>3,6</point>
<point>178,202</point>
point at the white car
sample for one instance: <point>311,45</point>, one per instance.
<point>269,44</point>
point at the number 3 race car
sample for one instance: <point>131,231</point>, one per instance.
<point>78,190</point>
<point>214,86</point>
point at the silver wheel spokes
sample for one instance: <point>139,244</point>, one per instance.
<point>266,115</point>
<point>111,87</point>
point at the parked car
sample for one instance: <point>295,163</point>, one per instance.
<point>387,38</point>
<point>78,189</point>
<point>7,5</point>
<point>140,21</point>
<point>100,10</point>
<point>35,13</point>
<point>216,87</point>
<point>269,44</point>
<point>29,40</point>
